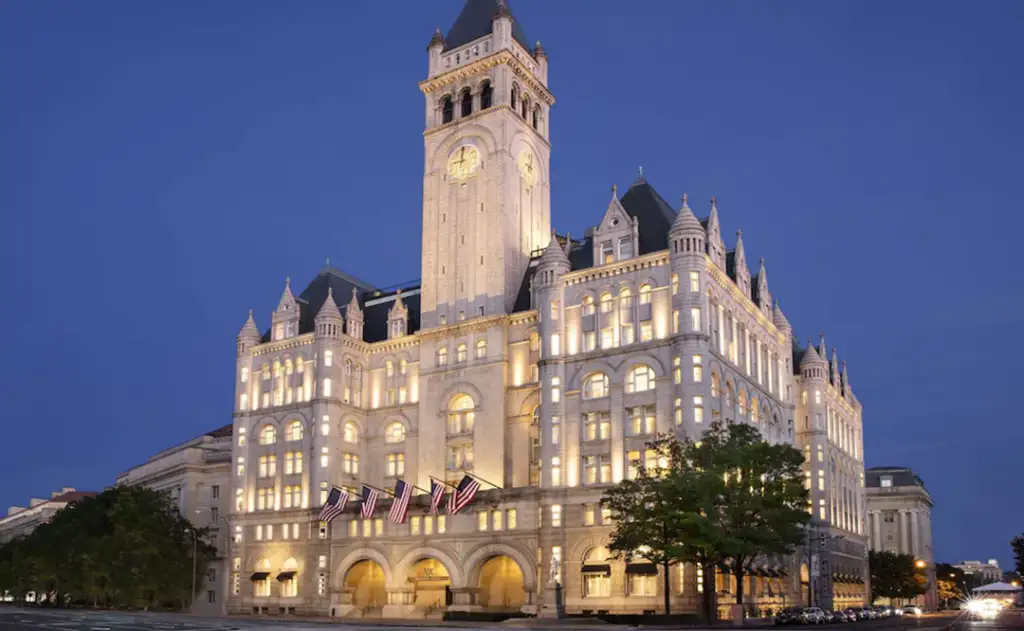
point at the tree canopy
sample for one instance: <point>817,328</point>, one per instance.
<point>1017,543</point>
<point>730,497</point>
<point>895,575</point>
<point>127,546</point>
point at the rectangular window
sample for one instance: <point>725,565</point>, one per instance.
<point>607,253</point>
<point>677,371</point>
<point>588,515</point>
<point>642,585</point>
<point>414,525</point>
<point>698,368</point>
<point>625,248</point>
<point>695,318</point>
<point>270,531</point>
<point>328,358</point>
<point>556,307</point>
<point>821,479</point>
<point>694,282</point>
<point>259,533</point>
<point>323,457</point>
<point>640,420</point>
<point>627,334</point>
<point>597,426</point>
<point>606,515</point>
<point>677,411</point>
<point>556,345</point>
<point>556,430</point>
<point>442,521</point>
<point>608,337</point>
<point>698,409</point>
<point>556,515</point>
<point>510,518</point>
<point>497,520</point>
<point>556,389</point>
<point>428,525</point>
<point>675,284</point>
<point>481,521</point>
<point>378,527</point>
<point>327,388</point>
<point>353,528</point>
<point>556,471</point>
<point>590,340</point>
<point>646,331</point>
<point>238,534</point>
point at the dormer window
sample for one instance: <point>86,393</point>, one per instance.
<point>886,481</point>
<point>397,328</point>
<point>625,248</point>
<point>607,252</point>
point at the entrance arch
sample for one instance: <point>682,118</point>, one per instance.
<point>365,581</point>
<point>430,583</point>
<point>501,584</point>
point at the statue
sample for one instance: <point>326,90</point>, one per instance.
<point>555,570</point>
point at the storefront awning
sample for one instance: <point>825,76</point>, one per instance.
<point>645,569</point>
<point>286,576</point>
<point>259,576</point>
<point>597,568</point>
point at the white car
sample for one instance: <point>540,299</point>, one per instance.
<point>912,610</point>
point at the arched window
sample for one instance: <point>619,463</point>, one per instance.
<point>597,581</point>
<point>461,415</point>
<point>606,302</point>
<point>742,403</point>
<point>289,584</point>
<point>536,117</point>
<point>395,432</point>
<point>268,435</point>
<point>460,353</point>
<point>728,397</point>
<point>716,385</point>
<point>485,95</point>
<point>534,342</point>
<point>595,386</point>
<point>467,103</point>
<point>515,97</point>
<point>261,587</point>
<point>526,107</point>
<point>351,434</point>
<point>481,349</point>
<point>389,368</point>
<point>402,366</point>
<point>442,356</point>
<point>645,294</point>
<point>447,110</point>
<point>294,431</point>
<point>640,379</point>
<point>588,305</point>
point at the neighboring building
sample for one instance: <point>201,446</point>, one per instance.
<point>21,520</point>
<point>197,476</point>
<point>979,574</point>
<point>538,364</point>
<point>900,519</point>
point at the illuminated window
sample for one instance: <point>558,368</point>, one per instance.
<point>460,457</point>
<point>294,431</point>
<point>698,409</point>
<point>350,463</point>
<point>694,282</point>
<point>323,457</point>
<point>460,353</point>
<point>402,366</point>
<point>556,515</point>
<point>645,294</point>
<point>534,342</point>
<point>293,498</point>
<point>642,585</point>
<point>695,318</point>
<point>646,331</point>
<point>675,284</point>
<point>606,302</point>
<point>597,426</point>
<point>607,337</point>
<point>885,481</point>
<point>241,437</point>
<point>640,420</point>
<point>441,521</point>
<point>556,389</point>
<point>395,432</point>
<point>268,466</point>
<point>677,411</point>
<point>821,479</point>
<point>556,307</point>
<point>367,527</point>
<point>588,515</point>
<point>481,349</point>
<point>606,515</point>
<point>325,425</point>
<point>259,533</point>
<point>556,471</point>
<point>640,379</point>
<point>821,509</point>
<point>555,345</point>
<point>389,368</point>
<point>497,520</point>
<point>293,463</point>
<point>590,340</point>
<point>677,371</point>
<point>323,493</point>
<point>353,528</point>
<point>597,582</point>
<point>268,435</point>
<point>698,368</point>
<point>588,305</point>
<point>481,521</point>
<point>243,402</point>
<point>442,356</point>
<point>597,469</point>
<point>378,527</point>
<point>755,411</point>
<point>327,388</point>
<point>595,386</point>
<point>716,386</point>
<point>240,470</point>
<point>461,416</point>
<point>415,525</point>
<point>396,464</point>
<point>556,430</point>
<point>351,434</point>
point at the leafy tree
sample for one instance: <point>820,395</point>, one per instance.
<point>895,575</point>
<point>1017,543</point>
<point>950,582</point>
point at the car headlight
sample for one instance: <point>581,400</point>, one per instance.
<point>976,606</point>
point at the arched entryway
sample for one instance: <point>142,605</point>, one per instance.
<point>430,582</point>
<point>365,580</point>
<point>501,584</point>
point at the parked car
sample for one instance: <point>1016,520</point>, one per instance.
<point>865,613</point>
<point>813,615</point>
<point>912,610</point>
<point>851,615</point>
<point>790,615</point>
<point>837,616</point>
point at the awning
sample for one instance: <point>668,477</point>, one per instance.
<point>286,576</point>
<point>259,576</point>
<point>597,568</point>
<point>838,578</point>
<point>645,569</point>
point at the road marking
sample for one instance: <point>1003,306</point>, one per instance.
<point>101,629</point>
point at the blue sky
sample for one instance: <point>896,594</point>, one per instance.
<point>164,166</point>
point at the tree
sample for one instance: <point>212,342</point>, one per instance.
<point>649,518</point>
<point>895,575</point>
<point>950,582</point>
<point>1017,543</point>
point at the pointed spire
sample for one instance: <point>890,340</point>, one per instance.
<point>762,274</point>
<point>554,256</point>
<point>779,318</point>
<point>249,329</point>
<point>436,40</point>
<point>538,51</point>
<point>810,355</point>
<point>835,368</point>
<point>741,254</point>
<point>846,378</point>
<point>822,349</point>
<point>329,310</point>
<point>354,310</point>
<point>287,302</point>
<point>398,310</point>
<point>502,9</point>
<point>615,191</point>
<point>685,220</point>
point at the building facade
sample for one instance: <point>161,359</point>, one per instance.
<point>900,519</point>
<point>22,520</point>
<point>196,475</point>
<point>538,363</point>
<point>980,574</point>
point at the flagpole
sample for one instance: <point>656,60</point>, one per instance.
<point>448,484</point>
<point>378,488</point>
<point>483,480</point>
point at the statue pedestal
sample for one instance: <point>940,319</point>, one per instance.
<point>552,605</point>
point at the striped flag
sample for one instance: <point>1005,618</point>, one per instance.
<point>436,496</point>
<point>400,505</point>
<point>335,503</point>
<point>463,494</point>
<point>369,495</point>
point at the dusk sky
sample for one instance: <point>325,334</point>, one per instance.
<point>165,165</point>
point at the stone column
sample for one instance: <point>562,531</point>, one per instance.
<point>876,529</point>
<point>915,535</point>
<point>904,546</point>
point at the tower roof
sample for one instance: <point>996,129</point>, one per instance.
<point>685,220</point>
<point>652,212</point>
<point>475,21</point>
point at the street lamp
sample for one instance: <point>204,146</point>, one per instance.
<point>920,564</point>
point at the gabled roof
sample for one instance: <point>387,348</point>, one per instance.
<point>652,212</point>
<point>475,21</point>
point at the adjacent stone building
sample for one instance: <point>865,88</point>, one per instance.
<point>900,519</point>
<point>196,475</point>
<point>22,520</point>
<point>539,363</point>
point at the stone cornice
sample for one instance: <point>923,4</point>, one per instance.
<point>748,305</point>
<point>654,259</point>
<point>406,341</point>
<point>501,57</point>
<point>464,327</point>
<point>281,345</point>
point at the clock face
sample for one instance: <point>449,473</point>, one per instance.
<point>527,166</point>
<point>463,162</point>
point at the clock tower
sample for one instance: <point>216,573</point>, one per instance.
<point>486,190</point>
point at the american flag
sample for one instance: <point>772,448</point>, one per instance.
<point>436,496</point>
<point>369,495</point>
<point>335,503</point>
<point>400,505</point>
<point>463,494</point>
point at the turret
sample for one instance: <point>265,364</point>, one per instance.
<point>686,235</point>
<point>548,286</point>
<point>812,365</point>
<point>552,265</point>
<point>541,57</point>
<point>249,336</point>
<point>834,370</point>
<point>398,318</point>
<point>781,323</point>
<point>329,323</point>
<point>354,315</point>
<point>846,383</point>
<point>285,320</point>
<point>502,24</point>
<point>764,299</point>
<point>434,50</point>
<point>741,273</point>
<point>716,245</point>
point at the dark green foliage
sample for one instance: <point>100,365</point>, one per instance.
<point>1017,543</point>
<point>128,546</point>
<point>895,575</point>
